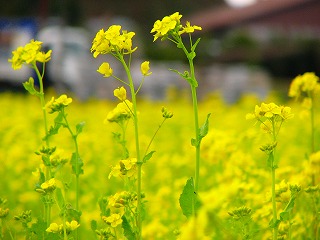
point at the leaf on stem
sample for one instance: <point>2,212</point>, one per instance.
<point>148,156</point>
<point>188,200</point>
<point>79,127</point>
<point>60,199</point>
<point>29,86</point>
<point>128,233</point>
<point>285,215</point>
<point>193,48</point>
<point>204,128</point>
<point>77,164</point>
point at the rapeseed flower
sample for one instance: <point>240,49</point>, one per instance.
<point>70,226</point>
<point>105,70</point>
<point>49,186</point>
<point>120,93</point>
<point>189,29</point>
<point>170,25</point>
<point>29,54</point>
<point>123,111</point>
<point>114,220</point>
<point>145,68</point>
<point>304,85</point>
<point>112,41</point>
<point>55,105</point>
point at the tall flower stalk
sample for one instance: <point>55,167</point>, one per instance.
<point>30,55</point>
<point>305,88</point>
<point>119,45</point>
<point>170,28</point>
<point>271,116</point>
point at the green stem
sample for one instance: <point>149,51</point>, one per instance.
<point>136,131</point>
<point>77,174</point>
<point>273,185</point>
<point>312,126</point>
<point>193,85</point>
<point>196,126</point>
<point>42,101</point>
<point>274,206</point>
<point>154,135</point>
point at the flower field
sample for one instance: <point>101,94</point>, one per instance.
<point>233,173</point>
<point>137,169</point>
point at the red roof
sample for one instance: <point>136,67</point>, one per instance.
<point>273,12</point>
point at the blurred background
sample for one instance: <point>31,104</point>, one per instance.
<point>247,46</point>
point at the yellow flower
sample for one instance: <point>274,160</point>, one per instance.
<point>49,186</point>
<point>55,105</point>
<point>63,100</point>
<point>54,228</point>
<point>168,23</point>
<point>189,29</point>
<point>72,225</point>
<point>145,68</point>
<point>307,84</point>
<point>112,40</point>
<point>114,220</point>
<point>105,69</point>
<point>122,112</point>
<point>120,93</point>
<point>29,54</point>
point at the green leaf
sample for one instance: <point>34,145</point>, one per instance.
<point>79,127</point>
<point>270,160</point>
<point>60,198</point>
<point>204,128</point>
<point>29,86</point>
<point>39,228</point>
<point>274,224</point>
<point>73,214</point>
<point>127,229</point>
<point>94,225</point>
<point>193,48</point>
<point>188,199</point>
<point>77,164</point>
<point>285,215</point>
<point>148,156</point>
<point>194,142</point>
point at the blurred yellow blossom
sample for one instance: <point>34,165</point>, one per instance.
<point>29,54</point>
<point>105,70</point>
<point>168,23</point>
<point>55,105</point>
<point>122,111</point>
<point>304,85</point>
<point>114,220</point>
<point>120,93</point>
<point>145,68</point>
<point>189,29</point>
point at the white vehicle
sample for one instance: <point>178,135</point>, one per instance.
<point>14,33</point>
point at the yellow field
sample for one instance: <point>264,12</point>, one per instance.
<point>233,170</point>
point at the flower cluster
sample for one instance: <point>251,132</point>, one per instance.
<point>29,54</point>
<point>121,112</point>
<point>112,40</point>
<point>269,115</point>
<point>70,226</point>
<point>127,167</point>
<point>55,105</point>
<point>304,85</point>
<point>240,213</point>
<point>171,25</point>
<point>114,219</point>
<point>47,187</point>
